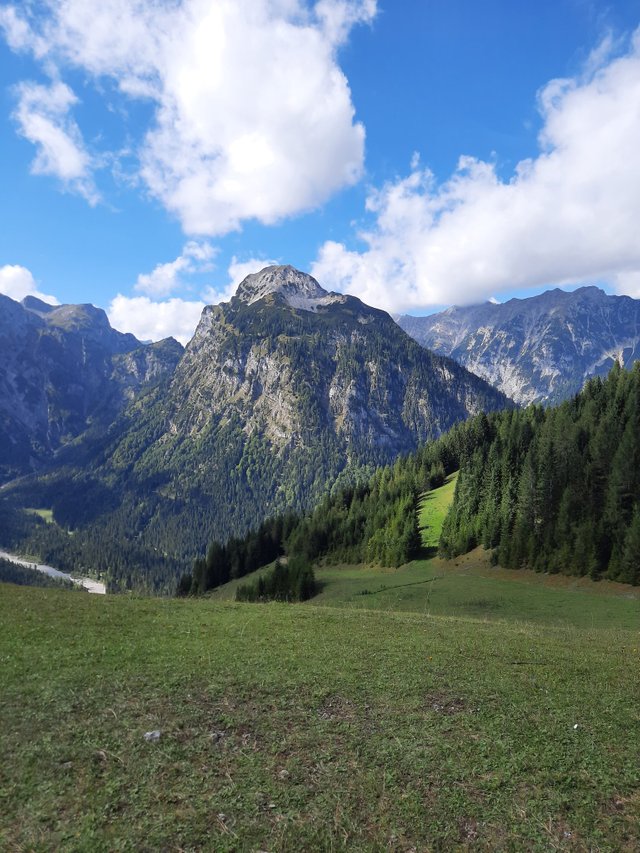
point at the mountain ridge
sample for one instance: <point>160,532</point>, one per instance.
<point>63,370</point>
<point>538,349</point>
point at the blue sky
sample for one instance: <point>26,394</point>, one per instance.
<point>152,157</point>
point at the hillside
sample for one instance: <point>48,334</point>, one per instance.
<point>284,392</point>
<point>536,350</point>
<point>310,728</point>
<point>558,489</point>
<point>555,490</point>
<point>467,586</point>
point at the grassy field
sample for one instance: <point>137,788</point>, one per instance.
<point>432,510</point>
<point>437,707</point>
<point>471,587</point>
<point>45,514</point>
<point>310,728</point>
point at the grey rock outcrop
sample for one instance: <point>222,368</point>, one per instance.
<point>536,350</point>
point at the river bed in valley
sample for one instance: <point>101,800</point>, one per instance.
<point>87,583</point>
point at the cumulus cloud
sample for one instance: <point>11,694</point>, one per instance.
<point>568,215</point>
<point>43,117</point>
<point>338,17</point>
<point>152,318</point>
<point>153,321</point>
<point>196,257</point>
<point>18,282</point>
<point>252,118</point>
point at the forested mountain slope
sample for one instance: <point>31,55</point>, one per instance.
<point>555,490</point>
<point>537,350</point>
<point>283,393</point>
<point>559,489</point>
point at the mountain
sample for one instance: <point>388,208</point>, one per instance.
<point>293,363</point>
<point>63,369</point>
<point>283,392</point>
<point>536,350</point>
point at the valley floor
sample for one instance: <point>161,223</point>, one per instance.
<point>305,727</point>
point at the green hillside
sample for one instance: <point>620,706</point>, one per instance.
<point>432,511</point>
<point>467,586</point>
<point>312,728</point>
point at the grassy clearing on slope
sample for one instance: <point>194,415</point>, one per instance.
<point>470,587</point>
<point>307,728</point>
<point>227,592</point>
<point>45,514</point>
<point>432,510</point>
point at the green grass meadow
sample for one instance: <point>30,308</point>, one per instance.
<point>482,710</point>
<point>432,510</point>
<point>45,514</point>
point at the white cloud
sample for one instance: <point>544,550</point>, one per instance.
<point>18,282</point>
<point>43,117</point>
<point>569,215</point>
<point>338,17</point>
<point>628,283</point>
<point>153,321</point>
<point>196,257</point>
<point>253,116</point>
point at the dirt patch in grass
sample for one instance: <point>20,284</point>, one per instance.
<point>338,709</point>
<point>468,830</point>
<point>445,704</point>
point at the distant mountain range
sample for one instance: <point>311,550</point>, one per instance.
<point>63,370</point>
<point>282,393</point>
<point>541,349</point>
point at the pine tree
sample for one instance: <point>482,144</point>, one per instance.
<point>630,563</point>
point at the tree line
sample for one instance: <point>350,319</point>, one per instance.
<point>556,489</point>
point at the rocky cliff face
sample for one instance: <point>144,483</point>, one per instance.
<point>63,369</point>
<point>540,349</point>
<point>290,362</point>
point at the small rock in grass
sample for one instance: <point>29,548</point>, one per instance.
<point>152,737</point>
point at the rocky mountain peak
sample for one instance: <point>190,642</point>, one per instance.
<point>298,289</point>
<point>32,303</point>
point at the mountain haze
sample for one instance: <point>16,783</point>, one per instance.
<point>536,350</point>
